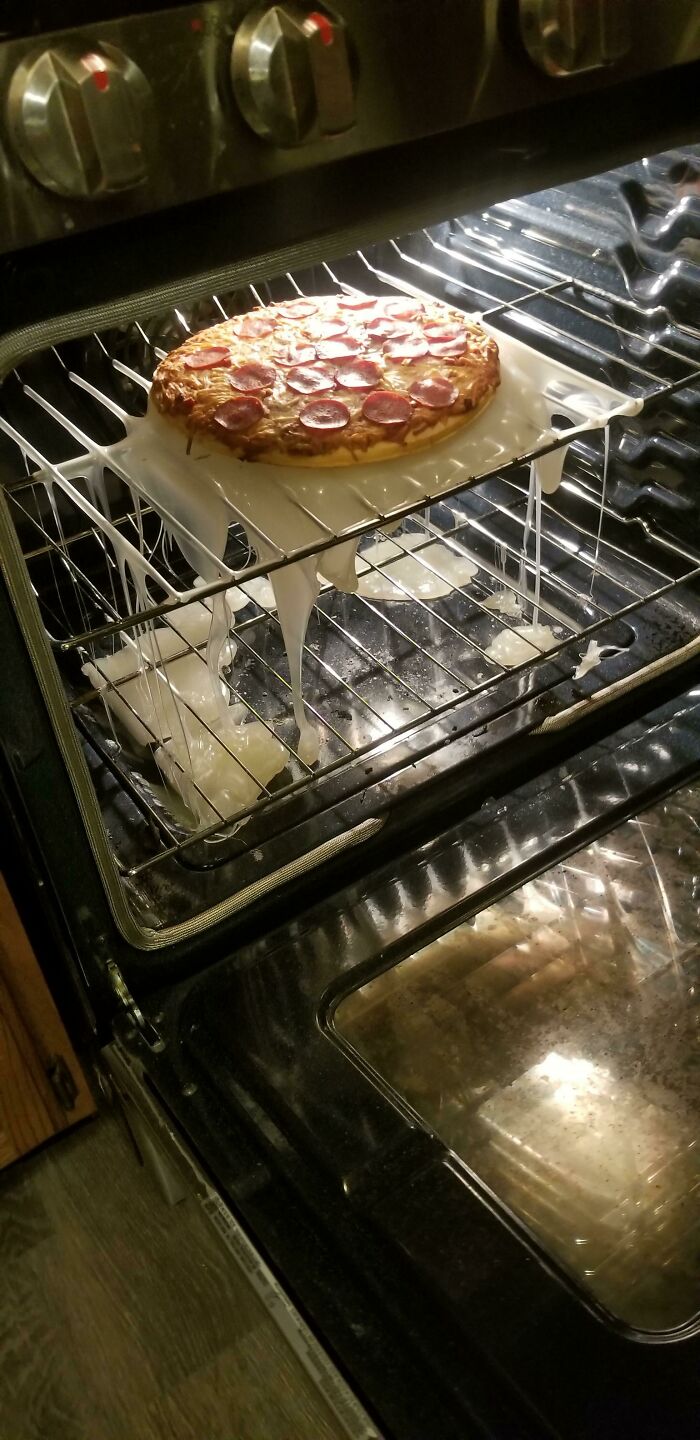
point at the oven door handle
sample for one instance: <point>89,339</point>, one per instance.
<point>619,688</point>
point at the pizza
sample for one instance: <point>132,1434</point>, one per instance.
<point>330,379</point>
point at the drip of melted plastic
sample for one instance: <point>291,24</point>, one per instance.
<point>604,486</point>
<point>385,572</point>
<point>504,602</point>
<point>538,550</point>
<point>527,530</point>
<point>517,647</point>
<point>590,659</point>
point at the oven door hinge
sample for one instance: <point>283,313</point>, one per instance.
<point>142,1026</point>
<point>62,1082</point>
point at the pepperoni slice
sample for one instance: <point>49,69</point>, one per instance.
<point>409,349</point>
<point>358,374</point>
<point>448,349</point>
<point>325,415</point>
<point>386,329</point>
<point>308,379</point>
<point>403,309</point>
<point>239,414</point>
<point>252,377</point>
<point>435,391</point>
<point>386,407</point>
<point>440,330</point>
<point>356,301</point>
<point>295,355</point>
<point>327,329</point>
<point>255,327</point>
<point>300,308</point>
<point>207,359</point>
<point>338,349</point>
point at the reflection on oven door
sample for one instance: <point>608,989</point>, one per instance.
<point>552,1043</point>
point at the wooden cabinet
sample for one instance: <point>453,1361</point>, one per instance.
<point>42,1087</point>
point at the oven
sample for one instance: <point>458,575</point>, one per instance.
<point>413,1012</point>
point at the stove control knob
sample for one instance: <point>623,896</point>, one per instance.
<point>566,37</point>
<point>291,73</point>
<point>78,118</point>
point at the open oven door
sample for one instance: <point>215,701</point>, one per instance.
<point>456,1105</point>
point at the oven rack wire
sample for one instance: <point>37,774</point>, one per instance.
<point>485,523</point>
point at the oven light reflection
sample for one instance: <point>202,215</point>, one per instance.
<point>594,886</point>
<point>538,906</point>
<point>617,858</point>
<point>575,1079</point>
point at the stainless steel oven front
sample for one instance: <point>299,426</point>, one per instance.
<point>125,115</point>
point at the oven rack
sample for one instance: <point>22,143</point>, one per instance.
<point>588,584</point>
<point>531,311</point>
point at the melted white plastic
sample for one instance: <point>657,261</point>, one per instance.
<point>218,775</point>
<point>603,488</point>
<point>591,657</point>
<point>515,647</point>
<point>504,602</point>
<point>386,573</point>
<point>215,764</point>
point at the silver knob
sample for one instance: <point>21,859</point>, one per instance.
<point>77,116</point>
<point>566,37</point>
<point>291,73</point>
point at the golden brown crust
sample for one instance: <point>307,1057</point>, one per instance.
<point>465,371</point>
<point>343,458</point>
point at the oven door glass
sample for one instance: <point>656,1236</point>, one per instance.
<point>552,1042</point>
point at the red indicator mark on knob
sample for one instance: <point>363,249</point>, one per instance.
<point>323,25</point>
<point>98,69</point>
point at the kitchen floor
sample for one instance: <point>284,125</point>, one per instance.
<point>122,1318</point>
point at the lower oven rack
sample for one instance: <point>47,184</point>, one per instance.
<point>376,671</point>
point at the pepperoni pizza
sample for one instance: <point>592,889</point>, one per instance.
<point>330,380</point>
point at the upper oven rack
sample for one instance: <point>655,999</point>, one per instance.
<point>567,317</point>
<point>559,297</point>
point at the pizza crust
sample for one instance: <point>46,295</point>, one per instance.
<point>194,385</point>
<point>341,458</point>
